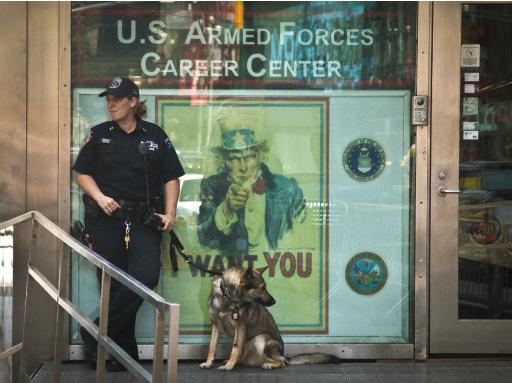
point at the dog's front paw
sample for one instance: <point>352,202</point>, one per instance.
<point>267,366</point>
<point>227,367</point>
<point>207,364</point>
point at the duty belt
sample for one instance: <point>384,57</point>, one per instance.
<point>133,211</point>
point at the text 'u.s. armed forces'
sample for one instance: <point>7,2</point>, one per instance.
<point>288,36</point>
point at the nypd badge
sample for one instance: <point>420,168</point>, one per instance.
<point>366,273</point>
<point>364,159</point>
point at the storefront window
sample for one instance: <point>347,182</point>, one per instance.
<point>485,216</point>
<point>320,91</point>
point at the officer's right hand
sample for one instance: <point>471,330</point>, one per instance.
<point>107,204</point>
<point>236,198</point>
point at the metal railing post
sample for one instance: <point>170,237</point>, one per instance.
<point>64,306</point>
<point>59,315</point>
<point>158,347</point>
<point>103,326</point>
<point>172,340</point>
<point>23,353</point>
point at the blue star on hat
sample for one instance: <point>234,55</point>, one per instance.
<point>238,139</point>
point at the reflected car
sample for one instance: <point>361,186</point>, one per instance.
<point>189,201</point>
<point>188,209</point>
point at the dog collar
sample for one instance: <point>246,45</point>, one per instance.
<point>235,313</point>
<point>223,289</point>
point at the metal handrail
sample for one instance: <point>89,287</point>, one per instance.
<point>99,333</point>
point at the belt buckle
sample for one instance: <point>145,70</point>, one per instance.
<point>128,213</point>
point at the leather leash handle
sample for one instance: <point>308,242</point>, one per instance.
<point>174,242</point>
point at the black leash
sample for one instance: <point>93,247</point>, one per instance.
<point>177,245</point>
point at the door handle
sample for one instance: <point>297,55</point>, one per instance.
<point>442,191</point>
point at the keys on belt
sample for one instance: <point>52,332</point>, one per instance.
<point>127,234</point>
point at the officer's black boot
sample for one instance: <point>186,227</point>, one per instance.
<point>115,366</point>
<point>91,355</point>
<point>91,347</point>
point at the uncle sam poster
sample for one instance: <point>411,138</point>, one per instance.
<point>277,144</point>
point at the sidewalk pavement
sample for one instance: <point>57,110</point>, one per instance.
<point>435,371</point>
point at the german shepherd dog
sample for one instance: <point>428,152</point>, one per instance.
<point>237,308</point>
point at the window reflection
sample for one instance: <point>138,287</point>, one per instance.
<point>283,71</point>
<point>233,45</point>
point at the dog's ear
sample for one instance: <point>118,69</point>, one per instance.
<point>248,275</point>
<point>261,270</point>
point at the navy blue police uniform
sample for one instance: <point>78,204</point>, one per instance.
<point>113,159</point>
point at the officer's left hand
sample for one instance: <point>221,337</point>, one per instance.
<point>168,221</point>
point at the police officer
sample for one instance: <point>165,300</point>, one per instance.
<point>129,172</point>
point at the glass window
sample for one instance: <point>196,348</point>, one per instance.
<point>485,217</point>
<point>318,95</point>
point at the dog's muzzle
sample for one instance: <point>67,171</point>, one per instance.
<point>266,302</point>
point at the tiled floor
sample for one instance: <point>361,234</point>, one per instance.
<point>438,371</point>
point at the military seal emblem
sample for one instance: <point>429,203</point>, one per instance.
<point>485,231</point>
<point>364,159</point>
<point>366,273</point>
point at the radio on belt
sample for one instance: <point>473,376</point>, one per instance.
<point>420,110</point>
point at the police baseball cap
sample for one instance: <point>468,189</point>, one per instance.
<point>121,87</point>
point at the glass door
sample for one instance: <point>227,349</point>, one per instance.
<point>471,179</point>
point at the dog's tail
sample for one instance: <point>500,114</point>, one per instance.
<point>314,358</point>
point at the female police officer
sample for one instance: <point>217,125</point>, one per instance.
<point>123,168</point>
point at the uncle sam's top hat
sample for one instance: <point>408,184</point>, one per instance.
<point>239,131</point>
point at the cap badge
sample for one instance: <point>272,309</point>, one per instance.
<point>115,83</point>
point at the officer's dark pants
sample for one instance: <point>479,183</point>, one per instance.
<point>141,260</point>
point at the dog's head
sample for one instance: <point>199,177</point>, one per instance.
<point>254,288</point>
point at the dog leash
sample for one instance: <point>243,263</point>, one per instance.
<point>176,245</point>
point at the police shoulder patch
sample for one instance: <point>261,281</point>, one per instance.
<point>168,143</point>
<point>87,138</point>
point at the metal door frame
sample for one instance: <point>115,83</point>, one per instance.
<point>448,334</point>
<point>421,185</point>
